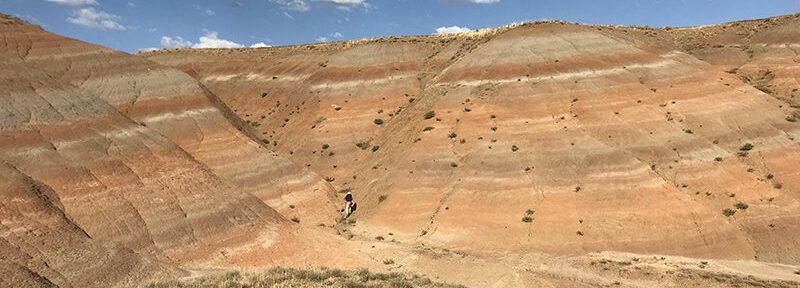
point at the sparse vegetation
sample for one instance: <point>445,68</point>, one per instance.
<point>378,121</point>
<point>329,179</point>
<point>728,212</point>
<point>452,135</point>
<point>325,146</point>
<point>430,114</point>
<point>530,212</point>
<point>514,148</point>
<point>741,206</point>
<point>263,94</point>
<point>345,190</point>
<point>382,198</point>
<point>388,261</point>
<point>295,219</point>
<point>363,145</point>
<point>376,147</point>
<point>313,278</point>
<point>718,159</point>
<point>777,185</point>
<point>429,128</point>
<point>527,219</point>
<point>746,147</point>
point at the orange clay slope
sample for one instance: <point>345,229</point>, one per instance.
<point>115,171</point>
<point>627,139</point>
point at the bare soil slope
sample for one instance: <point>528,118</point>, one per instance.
<point>619,138</point>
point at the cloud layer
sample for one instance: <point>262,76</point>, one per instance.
<point>92,18</point>
<point>451,30</point>
<point>74,2</point>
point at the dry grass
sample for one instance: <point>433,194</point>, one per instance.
<point>291,277</point>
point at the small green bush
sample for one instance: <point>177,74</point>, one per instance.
<point>718,159</point>
<point>527,219</point>
<point>514,148</point>
<point>295,219</point>
<point>429,128</point>
<point>530,212</point>
<point>746,147</point>
<point>325,146</point>
<point>741,206</point>
<point>452,135</point>
<point>430,115</point>
<point>378,121</point>
<point>728,212</point>
<point>376,147</point>
<point>382,198</point>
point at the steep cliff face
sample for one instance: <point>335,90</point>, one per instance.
<point>617,138</point>
<point>119,170</point>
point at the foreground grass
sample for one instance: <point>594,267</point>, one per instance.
<point>291,277</point>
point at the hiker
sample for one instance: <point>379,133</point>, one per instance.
<point>349,208</point>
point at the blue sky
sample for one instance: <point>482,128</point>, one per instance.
<point>132,25</point>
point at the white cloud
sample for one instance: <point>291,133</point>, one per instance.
<point>210,12</point>
<point>89,17</point>
<point>151,30</point>
<point>288,15</point>
<point>322,39</point>
<point>74,2</point>
<point>131,4</point>
<point>211,40</point>
<point>295,5</point>
<point>177,42</point>
<point>482,1</point>
<point>148,49</point>
<point>260,45</point>
<point>451,30</point>
<point>337,35</point>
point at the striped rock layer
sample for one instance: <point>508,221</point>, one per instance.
<point>616,138</point>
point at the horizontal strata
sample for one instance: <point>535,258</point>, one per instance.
<point>613,140</point>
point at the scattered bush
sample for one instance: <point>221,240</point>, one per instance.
<point>718,159</point>
<point>379,238</point>
<point>423,232</point>
<point>514,148</point>
<point>430,115</point>
<point>746,147</point>
<point>453,164</point>
<point>530,212</point>
<point>494,128</point>
<point>791,118</point>
<point>728,212</point>
<point>291,206</point>
<point>388,261</point>
<point>295,219</point>
<point>492,116</point>
<point>329,179</point>
<point>363,145</point>
<point>741,206</point>
<point>579,233</point>
<point>452,135</point>
<point>770,176</point>
<point>429,128</point>
<point>378,121</point>
<point>382,198</point>
<point>376,147</point>
<point>325,146</point>
<point>345,190</point>
<point>527,219</point>
<point>263,94</point>
<point>777,185</point>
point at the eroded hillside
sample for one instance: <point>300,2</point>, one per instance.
<point>619,138</point>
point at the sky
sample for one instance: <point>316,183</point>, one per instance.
<point>134,25</point>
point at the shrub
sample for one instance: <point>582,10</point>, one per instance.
<point>741,205</point>
<point>345,190</point>
<point>728,212</point>
<point>453,164</point>
<point>423,232</point>
<point>770,176</point>
<point>452,135</point>
<point>742,153</point>
<point>492,116</point>
<point>375,148</point>
<point>791,118</point>
<point>430,115</point>
<point>291,206</point>
<point>527,219</point>
<point>777,185</point>
<point>388,261</point>
<point>530,212</point>
<point>363,145</point>
<point>579,233</point>
<point>514,148</point>
<point>325,146</point>
<point>329,179</point>
<point>718,159</point>
<point>382,198</point>
<point>295,219</point>
<point>746,147</point>
<point>688,131</point>
<point>379,238</point>
<point>263,94</point>
<point>429,128</point>
<point>494,128</point>
<point>378,121</point>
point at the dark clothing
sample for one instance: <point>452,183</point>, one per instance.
<point>348,198</point>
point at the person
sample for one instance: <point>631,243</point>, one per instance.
<point>349,200</point>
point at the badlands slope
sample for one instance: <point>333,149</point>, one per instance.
<point>619,138</point>
<point>118,170</point>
